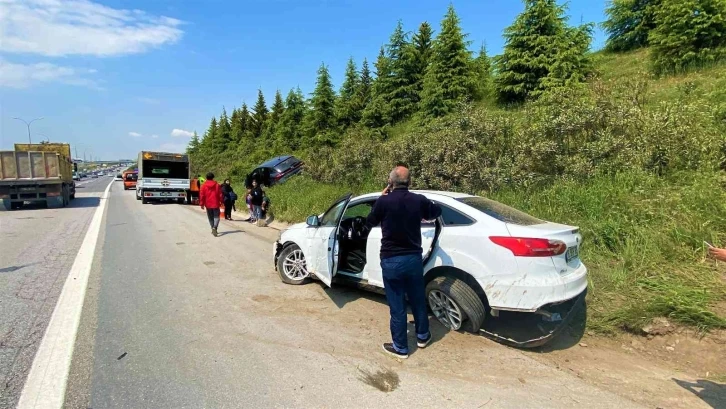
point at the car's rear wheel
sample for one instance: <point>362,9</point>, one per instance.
<point>292,266</point>
<point>455,304</point>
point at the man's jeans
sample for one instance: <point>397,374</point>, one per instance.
<point>256,212</point>
<point>213,216</point>
<point>403,276</point>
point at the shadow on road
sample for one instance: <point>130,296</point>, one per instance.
<point>85,202</point>
<point>714,394</point>
<point>224,233</point>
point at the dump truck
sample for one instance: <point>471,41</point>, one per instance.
<point>37,173</point>
<point>162,176</point>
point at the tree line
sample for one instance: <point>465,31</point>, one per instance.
<point>425,75</point>
<point>682,34</point>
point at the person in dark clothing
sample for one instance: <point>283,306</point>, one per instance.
<point>399,212</point>
<point>256,197</point>
<point>229,197</point>
<point>210,196</point>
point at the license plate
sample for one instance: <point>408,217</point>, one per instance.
<point>165,193</point>
<point>572,253</point>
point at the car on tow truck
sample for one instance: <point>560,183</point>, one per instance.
<point>480,258</point>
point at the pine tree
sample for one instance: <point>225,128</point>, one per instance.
<point>273,120</point>
<point>259,117</point>
<point>377,113</point>
<point>278,107</point>
<point>483,72</point>
<point>321,124</point>
<point>289,133</point>
<point>449,78</point>
<point>194,144</point>
<point>688,34</point>
<point>346,111</point>
<point>421,49</point>
<point>364,90</point>
<point>401,96</point>
<point>629,23</point>
<point>223,137</point>
<point>541,52</point>
<point>240,123</point>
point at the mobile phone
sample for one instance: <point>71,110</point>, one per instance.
<point>708,244</point>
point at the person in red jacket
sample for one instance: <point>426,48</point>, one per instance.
<point>210,196</point>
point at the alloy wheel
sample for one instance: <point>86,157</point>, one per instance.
<point>445,309</point>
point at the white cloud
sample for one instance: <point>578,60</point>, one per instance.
<point>180,133</point>
<point>24,75</point>
<point>81,27</point>
<point>155,136</point>
<point>173,147</point>
<point>135,134</point>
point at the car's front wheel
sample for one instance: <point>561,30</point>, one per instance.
<point>455,304</point>
<point>292,266</point>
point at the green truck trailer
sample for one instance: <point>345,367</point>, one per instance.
<point>37,173</point>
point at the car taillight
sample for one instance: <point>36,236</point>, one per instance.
<point>279,176</point>
<point>530,247</point>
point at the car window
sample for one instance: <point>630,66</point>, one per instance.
<point>287,164</point>
<point>330,217</point>
<point>358,209</point>
<point>500,211</point>
<point>453,217</point>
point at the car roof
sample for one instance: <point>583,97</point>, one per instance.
<point>427,193</point>
<point>270,163</point>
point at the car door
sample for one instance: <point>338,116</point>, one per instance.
<point>323,242</point>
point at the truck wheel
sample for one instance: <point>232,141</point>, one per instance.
<point>292,267</point>
<point>455,304</point>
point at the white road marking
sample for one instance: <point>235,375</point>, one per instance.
<point>45,387</point>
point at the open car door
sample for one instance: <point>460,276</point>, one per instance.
<point>324,242</point>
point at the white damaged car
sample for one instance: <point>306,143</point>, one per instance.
<point>480,257</point>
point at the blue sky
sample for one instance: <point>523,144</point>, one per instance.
<point>114,77</point>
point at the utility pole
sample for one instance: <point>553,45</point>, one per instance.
<point>28,125</point>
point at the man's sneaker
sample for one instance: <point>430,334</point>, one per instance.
<point>423,343</point>
<point>214,232</point>
<point>388,347</point>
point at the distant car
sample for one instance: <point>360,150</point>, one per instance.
<point>76,176</point>
<point>94,175</point>
<point>118,178</point>
<point>480,257</point>
<point>275,170</point>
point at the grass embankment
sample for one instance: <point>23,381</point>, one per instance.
<point>618,160</point>
<point>643,240</point>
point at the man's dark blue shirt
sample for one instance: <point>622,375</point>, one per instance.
<point>400,213</point>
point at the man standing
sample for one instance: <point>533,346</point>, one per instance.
<point>399,213</point>
<point>210,196</point>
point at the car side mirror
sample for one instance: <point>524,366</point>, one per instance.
<point>313,221</point>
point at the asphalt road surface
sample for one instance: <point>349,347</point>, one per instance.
<point>37,248</point>
<point>176,318</point>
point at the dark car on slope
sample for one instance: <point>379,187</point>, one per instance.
<point>275,170</point>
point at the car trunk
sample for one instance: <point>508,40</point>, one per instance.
<point>566,262</point>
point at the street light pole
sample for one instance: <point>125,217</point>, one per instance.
<point>28,125</point>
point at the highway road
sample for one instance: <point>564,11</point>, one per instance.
<point>173,317</point>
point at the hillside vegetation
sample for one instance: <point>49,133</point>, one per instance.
<point>605,141</point>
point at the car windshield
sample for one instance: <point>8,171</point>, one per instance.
<point>500,211</point>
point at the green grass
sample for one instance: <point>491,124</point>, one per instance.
<point>643,244</point>
<point>643,240</point>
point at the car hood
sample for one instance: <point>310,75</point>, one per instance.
<point>298,226</point>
